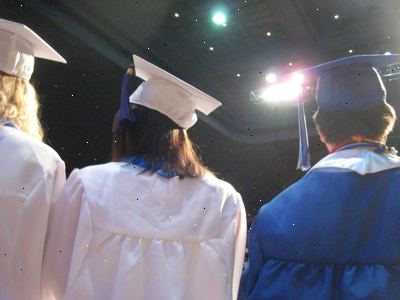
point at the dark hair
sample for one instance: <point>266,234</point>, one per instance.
<point>157,139</point>
<point>373,123</point>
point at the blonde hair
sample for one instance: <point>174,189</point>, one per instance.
<point>19,103</point>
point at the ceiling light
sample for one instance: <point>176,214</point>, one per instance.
<point>219,18</point>
<point>237,75</point>
<point>388,53</point>
<point>350,50</point>
<point>298,78</point>
<point>290,64</point>
<point>176,15</point>
<point>336,17</point>
<point>287,91</point>
<point>271,78</point>
<point>211,48</point>
<point>268,33</point>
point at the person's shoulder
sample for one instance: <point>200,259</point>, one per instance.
<point>96,172</point>
<point>217,184</point>
<point>289,197</point>
<point>33,150</point>
<point>100,169</point>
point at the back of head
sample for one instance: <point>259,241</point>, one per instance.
<point>339,127</point>
<point>19,104</point>
<point>157,139</point>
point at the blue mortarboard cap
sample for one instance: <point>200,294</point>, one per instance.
<point>351,83</point>
<point>347,84</point>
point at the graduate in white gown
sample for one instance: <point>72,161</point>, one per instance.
<point>155,223</point>
<point>31,173</point>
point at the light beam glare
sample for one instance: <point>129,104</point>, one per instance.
<point>284,92</point>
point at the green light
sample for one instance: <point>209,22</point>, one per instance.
<point>219,18</point>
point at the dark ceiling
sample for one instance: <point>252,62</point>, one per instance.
<point>97,37</point>
<point>302,33</point>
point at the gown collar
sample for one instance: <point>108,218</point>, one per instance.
<point>147,164</point>
<point>362,158</point>
<point>9,123</point>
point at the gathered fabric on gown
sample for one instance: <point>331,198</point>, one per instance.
<point>334,234</point>
<point>120,233</point>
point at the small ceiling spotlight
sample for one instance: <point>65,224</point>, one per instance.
<point>336,17</point>
<point>176,15</point>
<point>350,50</point>
<point>290,64</point>
<point>238,75</point>
<point>219,18</point>
<point>269,33</point>
<point>271,78</point>
<point>211,48</point>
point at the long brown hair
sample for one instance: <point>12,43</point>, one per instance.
<point>19,103</point>
<point>157,139</point>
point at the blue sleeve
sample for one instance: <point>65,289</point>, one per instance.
<point>255,263</point>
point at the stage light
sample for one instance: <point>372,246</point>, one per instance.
<point>284,92</point>
<point>219,18</point>
<point>298,78</point>
<point>271,78</point>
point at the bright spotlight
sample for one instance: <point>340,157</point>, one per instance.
<point>219,18</point>
<point>298,78</point>
<point>283,92</point>
<point>271,78</point>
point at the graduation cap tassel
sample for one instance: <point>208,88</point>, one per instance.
<point>125,112</point>
<point>304,161</point>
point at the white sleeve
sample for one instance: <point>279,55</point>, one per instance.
<point>63,222</point>
<point>240,246</point>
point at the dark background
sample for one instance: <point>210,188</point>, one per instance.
<point>253,146</point>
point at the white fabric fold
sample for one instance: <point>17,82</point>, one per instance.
<point>143,236</point>
<point>360,160</point>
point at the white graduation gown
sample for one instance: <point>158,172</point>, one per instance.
<point>31,175</point>
<point>120,234</point>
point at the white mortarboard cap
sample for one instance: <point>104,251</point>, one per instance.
<point>19,46</point>
<point>170,95</point>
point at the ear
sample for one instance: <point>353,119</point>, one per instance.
<point>321,135</point>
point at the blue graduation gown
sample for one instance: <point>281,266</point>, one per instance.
<point>334,234</point>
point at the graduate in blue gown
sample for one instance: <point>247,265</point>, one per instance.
<point>335,234</point>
